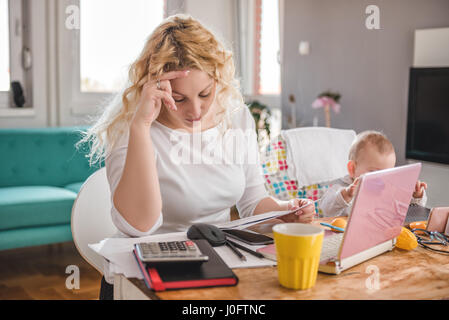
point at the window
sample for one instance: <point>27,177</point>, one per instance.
<point>269,68</point>
<point>259,55</point>
<point>110,42</point>
<point>103,39</point>
<point>259,47</point>
<point>4,46</point>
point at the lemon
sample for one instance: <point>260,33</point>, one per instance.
<point>406,240</point>
<point>339,222</point>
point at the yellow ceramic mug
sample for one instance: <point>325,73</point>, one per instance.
<point>298,249</point>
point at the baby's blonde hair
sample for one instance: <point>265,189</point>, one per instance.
<point>180,42</point>
<point>370,137</point>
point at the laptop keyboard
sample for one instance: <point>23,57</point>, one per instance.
<point>331,245</point>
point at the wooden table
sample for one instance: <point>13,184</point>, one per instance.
<point>398,274</point>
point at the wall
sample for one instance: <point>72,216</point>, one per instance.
<point>216,15</point>
<point>370,68</point>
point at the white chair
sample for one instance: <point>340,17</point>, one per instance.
<point>302,162</point>
<point>317,154</point>
<point>91,217</point>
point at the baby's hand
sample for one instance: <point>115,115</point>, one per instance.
<point>419,189</point>
<point>349,192</point>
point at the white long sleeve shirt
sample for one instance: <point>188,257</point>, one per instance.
<point>204,188</point>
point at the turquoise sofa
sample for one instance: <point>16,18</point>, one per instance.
<point>41,173</point>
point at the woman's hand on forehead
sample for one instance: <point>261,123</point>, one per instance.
<point>171,75</point>
<point>154,92</point>
<point>165,78</point>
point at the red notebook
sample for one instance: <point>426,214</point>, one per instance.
<point>213,273</point>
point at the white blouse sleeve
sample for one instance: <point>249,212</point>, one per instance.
<point>332,202</point>
<point>255,189</point>
<point>115,162</point>
<point>420,201</point>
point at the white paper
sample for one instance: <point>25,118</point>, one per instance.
<point>118,251</point>
<point>233,261</point>
<point>250,221</point>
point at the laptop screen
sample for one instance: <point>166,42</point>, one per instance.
<point>380,208</point>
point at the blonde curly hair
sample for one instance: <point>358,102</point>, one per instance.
<point>180,42</point>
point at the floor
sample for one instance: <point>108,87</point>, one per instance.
<point>39,273</point>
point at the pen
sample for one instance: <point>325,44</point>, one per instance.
<point>332,227</point>
<point>309,202</point>
<point>238,253</point>
<point>254,253</point>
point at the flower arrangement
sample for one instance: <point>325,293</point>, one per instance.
<point>328,100</point>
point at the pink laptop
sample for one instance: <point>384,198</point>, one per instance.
<point>377,216</point>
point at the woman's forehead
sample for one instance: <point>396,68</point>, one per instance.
<point>196,81</point>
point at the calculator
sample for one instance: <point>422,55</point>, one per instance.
<point>172,251</point>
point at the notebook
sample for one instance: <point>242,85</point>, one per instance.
<point>213,273</point>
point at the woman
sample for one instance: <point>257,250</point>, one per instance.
<point>182,92</point>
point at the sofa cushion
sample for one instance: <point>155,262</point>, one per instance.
<point>75,187</point>
<point>34,206</point>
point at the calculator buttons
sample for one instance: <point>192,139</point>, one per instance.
<point>163,246</point>
<point>190,246</point>
<point>172,246</point>
<point>180,245</point>
<point>170,251</point>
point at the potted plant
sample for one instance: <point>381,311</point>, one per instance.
<point>261,114</point>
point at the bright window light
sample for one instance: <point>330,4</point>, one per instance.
<point>113,33</point>
<point>270,75</point>
<point>4,46</point>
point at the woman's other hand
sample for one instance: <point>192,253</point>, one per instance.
<point>304,215</point>
<point>154,92</point>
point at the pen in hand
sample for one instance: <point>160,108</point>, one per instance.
<point>309,202</point>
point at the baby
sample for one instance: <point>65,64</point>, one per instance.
<point>370,151</point>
